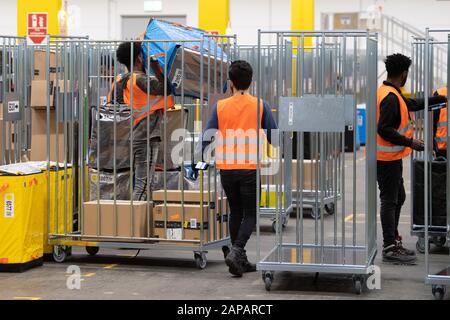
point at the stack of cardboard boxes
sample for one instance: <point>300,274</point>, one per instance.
<point>184,221</point>
<point>41,90</point>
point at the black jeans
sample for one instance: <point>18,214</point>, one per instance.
<point>392,197</point>
<point>240,189</point>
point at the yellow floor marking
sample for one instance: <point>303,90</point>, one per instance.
<point>307,255</point>
<point>88,274</point>
<point>27,298</point>
<point>110,266</point>
<point>293,255</point>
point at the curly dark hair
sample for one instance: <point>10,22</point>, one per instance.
<point>396,64</point>
<point>240,73</point>
<point>123,53</point>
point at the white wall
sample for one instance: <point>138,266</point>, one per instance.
<point>420,13</point>
<point>249,16</point>
<point>8,18</point>
<point>100,19</point>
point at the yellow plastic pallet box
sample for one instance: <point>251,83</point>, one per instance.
<point>22,203</point>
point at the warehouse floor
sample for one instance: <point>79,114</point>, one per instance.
<point>116,274</point>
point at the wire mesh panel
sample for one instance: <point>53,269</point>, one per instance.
<point>437,217</point>
<point>430,169</point>
<point>329,78</point>
<point>14,99</point>
<point>128,136</point>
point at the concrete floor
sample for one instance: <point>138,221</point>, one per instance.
<point>116,274</point>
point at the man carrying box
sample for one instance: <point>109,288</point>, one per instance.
<point>147,103</point>
<point>234,120</point>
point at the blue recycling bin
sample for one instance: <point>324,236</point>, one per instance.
<point>361,118</point>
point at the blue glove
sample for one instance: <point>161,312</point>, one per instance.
<point>191,172</point>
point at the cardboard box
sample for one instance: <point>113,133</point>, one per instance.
<point>39,137</point>
<point>40,64</point>
<point>124,212</point>
<point>310,170</point>
<point>39,92</point>
<point>189,195</point>
<point>191,225</point>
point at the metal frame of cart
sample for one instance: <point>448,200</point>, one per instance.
<point>87,67</point>
<point>323,103</point>
<point>436,276</point>
<point>437,234</point>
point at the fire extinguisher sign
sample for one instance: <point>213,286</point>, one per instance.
<point>37,27</point>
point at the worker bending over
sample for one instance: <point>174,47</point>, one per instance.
<point>440,127</point>
<point>235,121</point>
<point>395,142</point>
<point>147,104</point>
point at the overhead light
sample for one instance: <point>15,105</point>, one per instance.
<point>152,5</point>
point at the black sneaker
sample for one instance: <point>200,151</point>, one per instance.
<point>396,255</point>
<point>402,248</point>
<point>234,261</point>
<point>247,265</point>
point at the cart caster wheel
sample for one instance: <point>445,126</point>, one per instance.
<point>315,212</point>
<point>274,227</point>
<point>60,253</point>
<point>200,260</point>
<point>330,208</point>
<point>358,284</point>
<point>438,292</point>
<point>92,250</point>
<point>268,279</point>
<point>285,222</point>
<point>358,287</point>
<point>226,251</point>
<point>439,241</point>
<point>268,283</point>
<point>420,245</point>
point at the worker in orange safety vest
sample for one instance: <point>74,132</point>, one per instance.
<point>147,96</point>
<point>395,142</point>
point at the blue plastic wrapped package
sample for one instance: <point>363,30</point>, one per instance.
<point>169,54</point>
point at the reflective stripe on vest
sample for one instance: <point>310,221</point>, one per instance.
<point>237,141</point>
<point>441,132</point>
<point>387,151</point>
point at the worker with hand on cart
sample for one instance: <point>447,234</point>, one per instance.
<point>147,108</point>
<point>235,123</point>
<point>440,127</point>
<point>394,142</point>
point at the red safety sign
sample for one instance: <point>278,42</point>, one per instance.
<point>37,26</point>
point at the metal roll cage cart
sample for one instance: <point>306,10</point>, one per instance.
<point>436,276</point>
<point>323,104</point>
<point>15,78</point>
<point>86,66</point>
<point>437,78</point>
<point>274,70</point>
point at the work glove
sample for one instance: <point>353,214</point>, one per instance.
<point>417,145</point>
<point>191,172</point>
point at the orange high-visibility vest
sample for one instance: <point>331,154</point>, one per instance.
<point>387,151</point>
<point>441,131</point>
<point>143,104</point>
<point>236,147</point>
